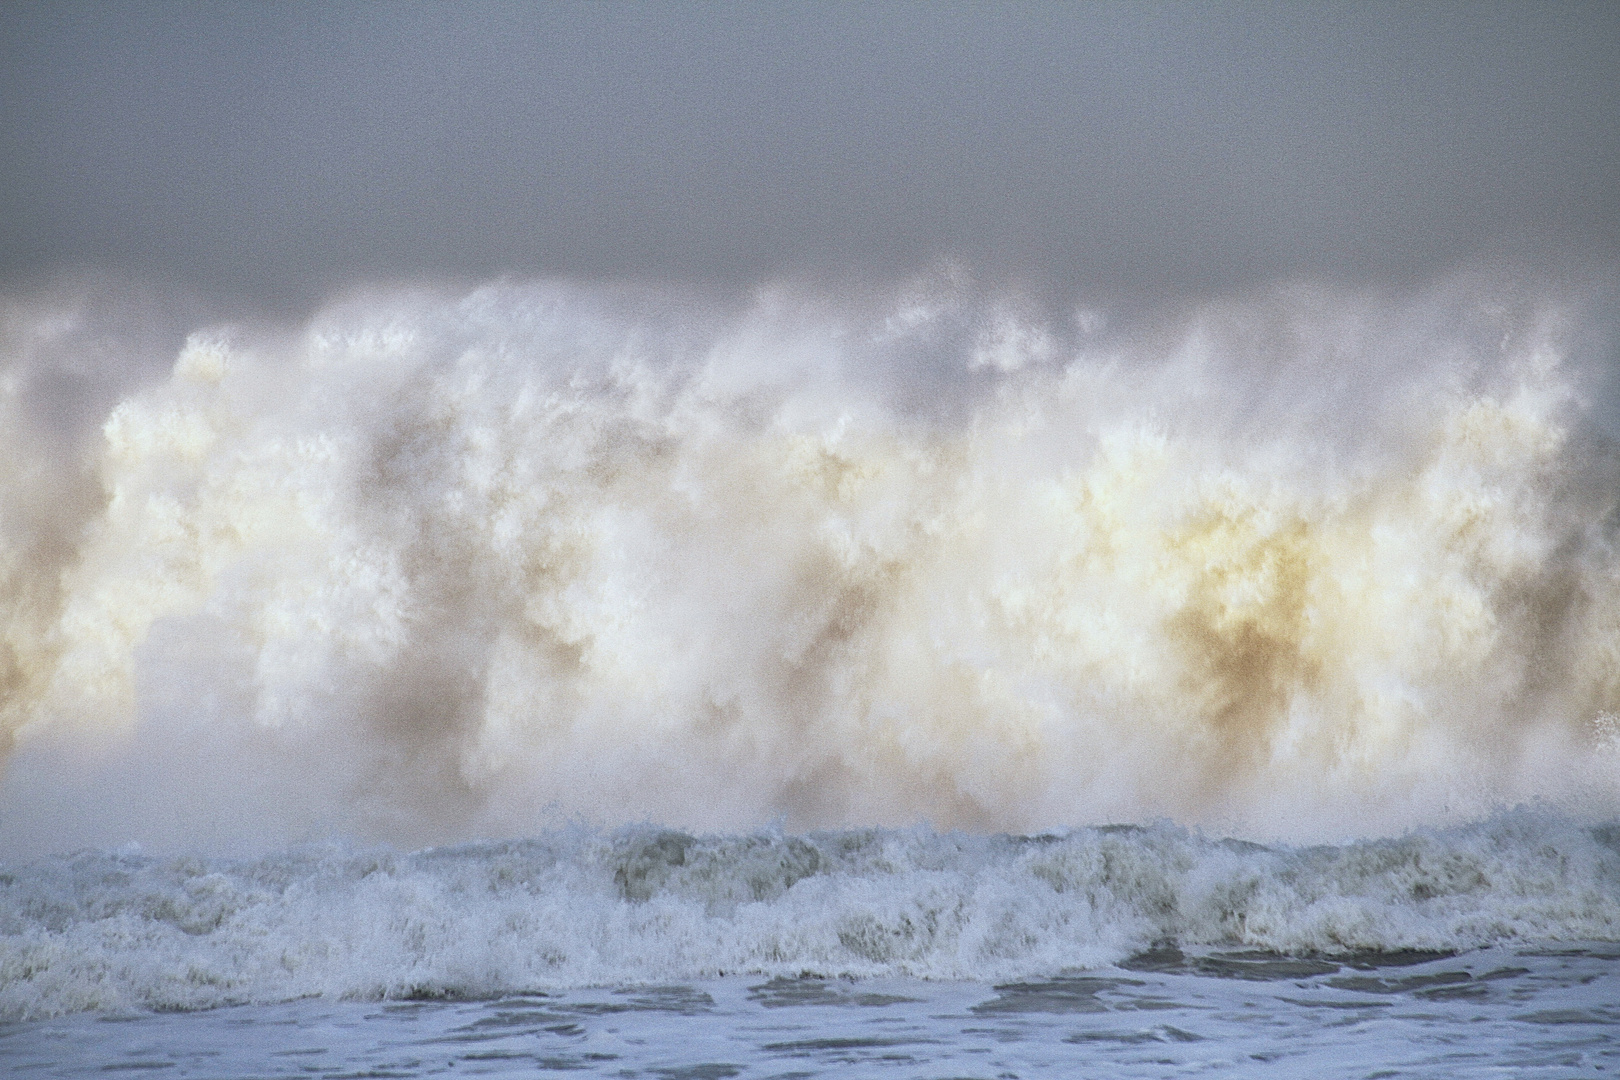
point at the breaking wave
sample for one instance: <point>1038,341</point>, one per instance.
<point>436,564</point>
<point>117,932</point>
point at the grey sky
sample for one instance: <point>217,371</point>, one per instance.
<point>283,149</point>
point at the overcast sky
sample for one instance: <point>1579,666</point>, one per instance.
<point>285,149</point>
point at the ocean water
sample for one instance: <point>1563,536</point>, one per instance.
<point>1487,950</point>
<point>1521,1013</point>
<point>925,680</point>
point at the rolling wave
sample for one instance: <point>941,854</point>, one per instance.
<point>122,931</point>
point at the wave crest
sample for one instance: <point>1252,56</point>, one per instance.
<point>439,565</point>
<point>124,931</point>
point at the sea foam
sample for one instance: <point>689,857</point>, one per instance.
<point>122,931</point>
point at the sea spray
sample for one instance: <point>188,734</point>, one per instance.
<point>434,565</point>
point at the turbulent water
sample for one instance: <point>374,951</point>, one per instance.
<point>436,565</point>
<point>123,931</point>
<point>802,581</point>
<point>873,952</point>
<point>1514,1012</point>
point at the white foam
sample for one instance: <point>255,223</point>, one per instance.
<point>442,565</point>
<point>123,931</point>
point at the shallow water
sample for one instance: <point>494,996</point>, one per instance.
<point>1520,1012</point>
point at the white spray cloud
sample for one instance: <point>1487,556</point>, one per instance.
<point>441,565</point>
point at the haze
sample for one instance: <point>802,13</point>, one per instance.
<point>279,151</point>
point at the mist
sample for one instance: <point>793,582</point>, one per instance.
<point>442,563</point>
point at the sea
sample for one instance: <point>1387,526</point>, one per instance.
<point>1488,950</point>
<point>927,679</point>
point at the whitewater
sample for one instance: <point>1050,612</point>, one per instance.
<point>993,683</point>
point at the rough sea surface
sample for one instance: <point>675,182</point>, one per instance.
<point>1306,590</point>
<point>1519,1012</point>
<point>1480,950</point>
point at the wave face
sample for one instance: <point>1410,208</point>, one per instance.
<point>119,932</point>
<point>435,565</point>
